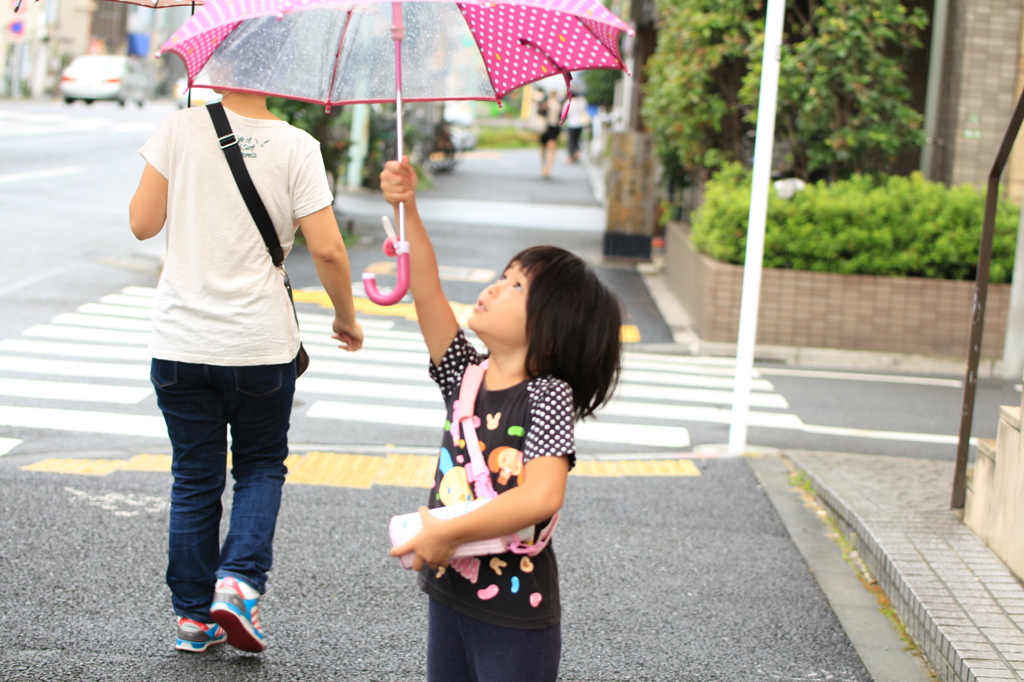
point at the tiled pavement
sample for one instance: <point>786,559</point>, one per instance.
<point>959,602</point>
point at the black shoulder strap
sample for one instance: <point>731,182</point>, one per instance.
<point>229,143</point>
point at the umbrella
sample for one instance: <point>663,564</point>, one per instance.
<point>334,52</point>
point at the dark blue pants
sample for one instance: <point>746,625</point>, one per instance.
<point>200,403</point>
<point>464,649</point>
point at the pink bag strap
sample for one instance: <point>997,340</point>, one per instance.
<point>476,468</point>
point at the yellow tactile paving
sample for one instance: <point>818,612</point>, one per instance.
<point>647,467</point>
<point>360,471</point>
<point>410,471</point>
<point>629,333</point>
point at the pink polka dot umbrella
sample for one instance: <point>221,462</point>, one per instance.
<point>332,52</point>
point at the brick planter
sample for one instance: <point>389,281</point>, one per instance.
<point>911,315</point>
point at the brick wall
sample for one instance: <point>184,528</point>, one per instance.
<point>911,315</point>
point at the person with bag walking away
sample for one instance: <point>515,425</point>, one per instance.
<point>576,120</point>
<point>550,107</point>
<point>552,329</point>
<point>225,341</point>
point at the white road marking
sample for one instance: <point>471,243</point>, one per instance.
<point>106,309</point>
<point>632,434</point>
<point>68,390</point>
<point>673,379</point>
<point>125,300</point>
<point>102,322</point>
<point>697,395</point>
<point>122,504</point>
<point>338,365</point>
<point>8,444</point>
<point>81,420</point>
<point>102,370</point>
<point>853,376</point>
<point>53,331</point>
<point>885,435</point>
<point>377,414</point>
<point>31,176</point>
<point>370,389</point>
<point>75,350</point>
<point>691,413</point>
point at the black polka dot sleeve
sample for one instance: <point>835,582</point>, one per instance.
<point>551,421</point>
<point>459,355</point>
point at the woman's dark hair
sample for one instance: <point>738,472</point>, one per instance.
<point>573,323</point>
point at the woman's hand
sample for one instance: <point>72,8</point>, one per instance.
<point>350,335</point>
<point>431,545</point>
<point>398,182</point>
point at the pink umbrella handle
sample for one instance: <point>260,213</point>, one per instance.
<point>399,249</point>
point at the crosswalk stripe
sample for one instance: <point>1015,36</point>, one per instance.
<point>80,420</point>
<point>693,413</point>
<point>8,444</point>
<point>697,395</point>
<point>128,301</point>
<point>657,366</point>
<point>103,322</point>
<point>54,331</point>
<point>672,379</point>
<point>421,359</point>
<point>102,370</point>
<point>377,414</point>
<point>115,310</point>
<point>77,350</point>
<point>633,434</point>
<point>369,389</point>
<point>369,370</point>
<point>68,390</point>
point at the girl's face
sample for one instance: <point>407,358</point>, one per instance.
<point>499,315</point>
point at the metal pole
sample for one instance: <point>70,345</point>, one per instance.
<point>936,58</point>
<point>397,34</point>
<point>764,143</point>
<point>980,294</point>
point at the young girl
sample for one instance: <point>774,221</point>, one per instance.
<point>552,329</point>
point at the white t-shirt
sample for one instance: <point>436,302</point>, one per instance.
<point>220,301</point>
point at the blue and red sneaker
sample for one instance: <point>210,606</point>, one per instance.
<point>235,609</point>
<point>196,636</point>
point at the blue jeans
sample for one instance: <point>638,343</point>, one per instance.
<point>464,649</point>
<point>200,403</point>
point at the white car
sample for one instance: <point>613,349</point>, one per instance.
<point>201,96</point>
<point>109,77</point>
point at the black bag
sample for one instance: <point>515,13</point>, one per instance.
<point>229,143</point>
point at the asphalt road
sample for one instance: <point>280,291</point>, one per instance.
<point>664,577</point>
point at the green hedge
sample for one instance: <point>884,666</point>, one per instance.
<point>889,225</point>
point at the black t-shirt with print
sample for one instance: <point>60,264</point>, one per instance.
<point>516,424</point>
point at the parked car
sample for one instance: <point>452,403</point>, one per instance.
<point>201,96</point>
<point>110,77</point>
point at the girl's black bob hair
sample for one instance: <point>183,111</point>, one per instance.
<point>573,323</point>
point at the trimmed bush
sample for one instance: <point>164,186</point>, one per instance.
<point>887,225</point>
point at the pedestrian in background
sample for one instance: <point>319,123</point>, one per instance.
<point>552,329</point>
<point>576,120</point>
<point>550,108</point>
<point>224,347</point>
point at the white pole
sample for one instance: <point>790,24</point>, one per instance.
<point>763,144</point>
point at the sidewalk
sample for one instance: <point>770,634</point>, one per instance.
<point>960,604</point>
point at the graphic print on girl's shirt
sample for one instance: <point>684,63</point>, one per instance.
<point>531,419</point>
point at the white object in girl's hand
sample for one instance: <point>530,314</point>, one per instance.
<point>404,527</point>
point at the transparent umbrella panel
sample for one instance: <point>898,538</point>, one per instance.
<point>346,55</point>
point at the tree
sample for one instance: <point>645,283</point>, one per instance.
<point>843,94</point>
<point>695,76</point>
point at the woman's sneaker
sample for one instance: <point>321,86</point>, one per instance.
<point>235,609</point>
<point>196,636</point>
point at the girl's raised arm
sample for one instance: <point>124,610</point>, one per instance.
<point>437,321</point>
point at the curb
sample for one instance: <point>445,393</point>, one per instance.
<point>958,601</point>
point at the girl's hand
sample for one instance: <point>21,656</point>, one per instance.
<point>398,182</point>
<point>430,545</point>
